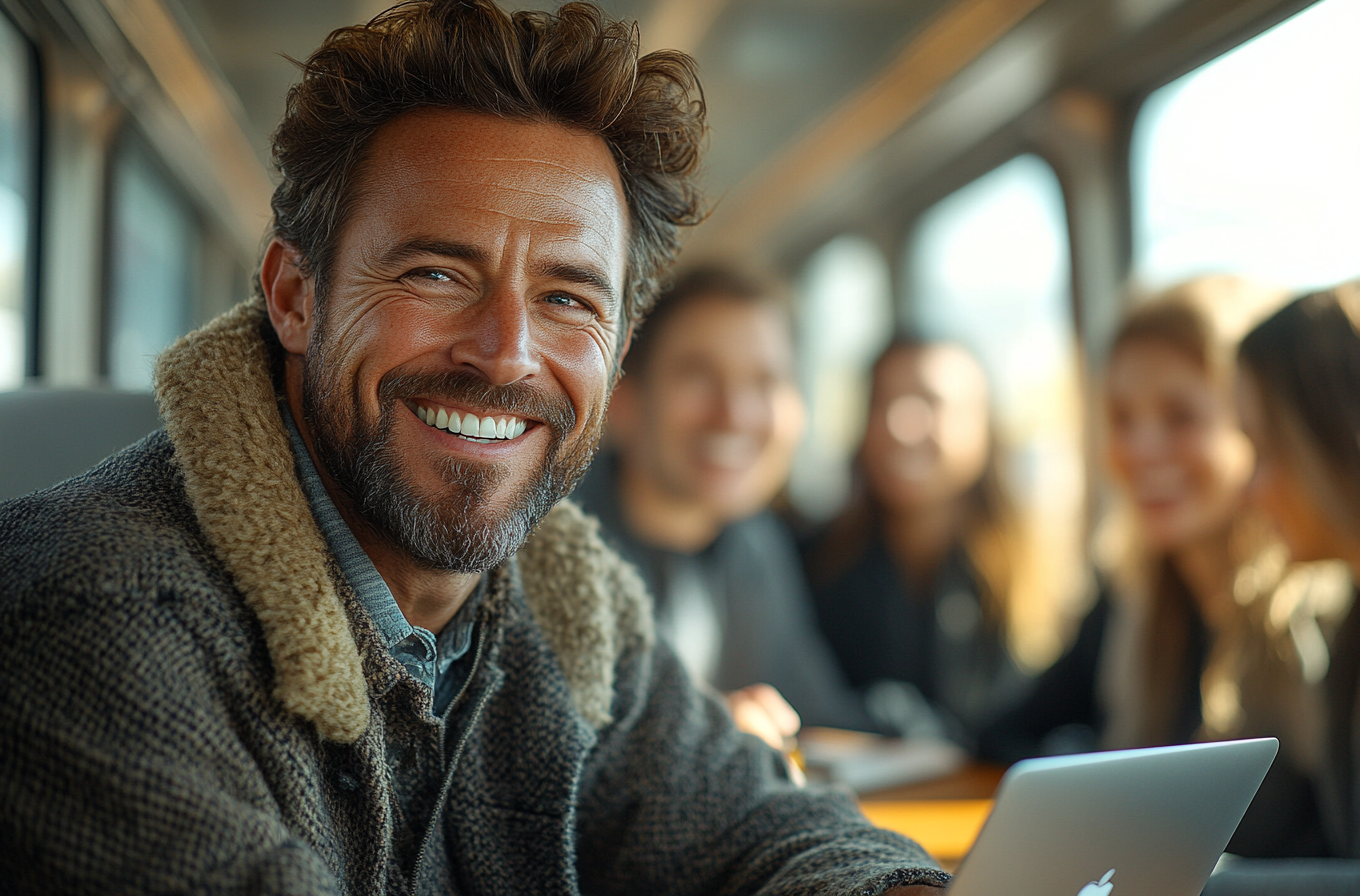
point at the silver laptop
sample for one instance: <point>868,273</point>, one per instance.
<point>1126,823</point>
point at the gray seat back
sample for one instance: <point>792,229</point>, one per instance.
<point>47,435</point>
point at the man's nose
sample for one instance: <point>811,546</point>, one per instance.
<point>497,337</point>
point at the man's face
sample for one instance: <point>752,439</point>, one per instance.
<point>479,280</point>
<point>714,416</point>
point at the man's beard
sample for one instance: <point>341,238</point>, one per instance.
<point>454,529</point>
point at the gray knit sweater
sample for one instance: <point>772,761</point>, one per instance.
<point>191,700</point>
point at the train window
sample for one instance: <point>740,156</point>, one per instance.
<point>846,317</point>
<point>18,138</point>
<point>988,267</point>
<point>1249,163</point>
<point>154,244</point>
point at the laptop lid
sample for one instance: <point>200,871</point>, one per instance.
<point>1149,822</point>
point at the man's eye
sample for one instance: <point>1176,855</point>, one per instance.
<point>568,309</point>
<point>431,274</point>
<point>570,304</point>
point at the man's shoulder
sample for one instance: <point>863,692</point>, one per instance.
<point>590,604</point>
<point>119,530</point>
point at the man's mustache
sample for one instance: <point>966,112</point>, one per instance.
<point>469,389</point>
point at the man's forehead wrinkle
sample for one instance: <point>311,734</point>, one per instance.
<point>582,173</point>
<point>480,203</point>
<point>606,238</point>
<point>601,256</point>
<point>511,186</point>
<point>555,197</point>
<point>549,163</point>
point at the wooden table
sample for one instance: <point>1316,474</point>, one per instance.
<point>943,815</point>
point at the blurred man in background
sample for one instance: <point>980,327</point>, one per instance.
<point>704,424</point>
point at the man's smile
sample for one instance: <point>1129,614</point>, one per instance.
<point>484,429</point>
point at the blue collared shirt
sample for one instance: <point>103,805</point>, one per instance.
<point>433,661</point>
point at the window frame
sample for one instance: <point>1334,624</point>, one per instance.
<point>1010,150</point>
<point>35,83</point>
<point>128,134</point>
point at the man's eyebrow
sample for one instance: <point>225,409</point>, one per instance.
<point>415,248</point>
<point>585,275</point>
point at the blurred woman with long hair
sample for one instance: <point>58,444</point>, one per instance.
<point>1299,394</point>
<point>913,580</point>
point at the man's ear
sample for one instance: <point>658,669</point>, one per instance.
<point>289,295</point>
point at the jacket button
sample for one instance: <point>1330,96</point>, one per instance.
<point>346,781</point>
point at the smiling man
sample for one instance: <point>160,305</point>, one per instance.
<point>333,630</point>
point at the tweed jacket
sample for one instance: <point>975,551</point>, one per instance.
<point>193,701</point>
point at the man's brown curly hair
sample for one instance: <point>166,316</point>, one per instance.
<point>575,68</point>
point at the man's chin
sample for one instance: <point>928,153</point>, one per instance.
<point>463,532</point>
<point>474,545</point>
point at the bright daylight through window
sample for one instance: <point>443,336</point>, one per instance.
<point>989,267</point>
<point>17,139</point>
<point>1251,164</point>
<point>846,318</point>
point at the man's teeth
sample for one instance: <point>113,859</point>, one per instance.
<point>470,425</point>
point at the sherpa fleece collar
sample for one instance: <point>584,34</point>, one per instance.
<point>239,478</point>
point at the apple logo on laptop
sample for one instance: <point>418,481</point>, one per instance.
<point>1100,887</point>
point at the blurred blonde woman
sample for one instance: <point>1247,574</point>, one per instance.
<point>1203,631</point>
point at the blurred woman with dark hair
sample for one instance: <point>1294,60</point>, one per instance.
<point>913,581</point>
<point>1204,630</point>
<point>1299,399</point>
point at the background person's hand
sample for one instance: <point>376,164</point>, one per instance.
<point>761,710</point>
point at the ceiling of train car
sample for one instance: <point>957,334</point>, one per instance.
<point>770,68</point>
<point>825,114</point>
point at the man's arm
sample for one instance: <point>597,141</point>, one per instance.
<point>120,766</point>
<point>676,800</point>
